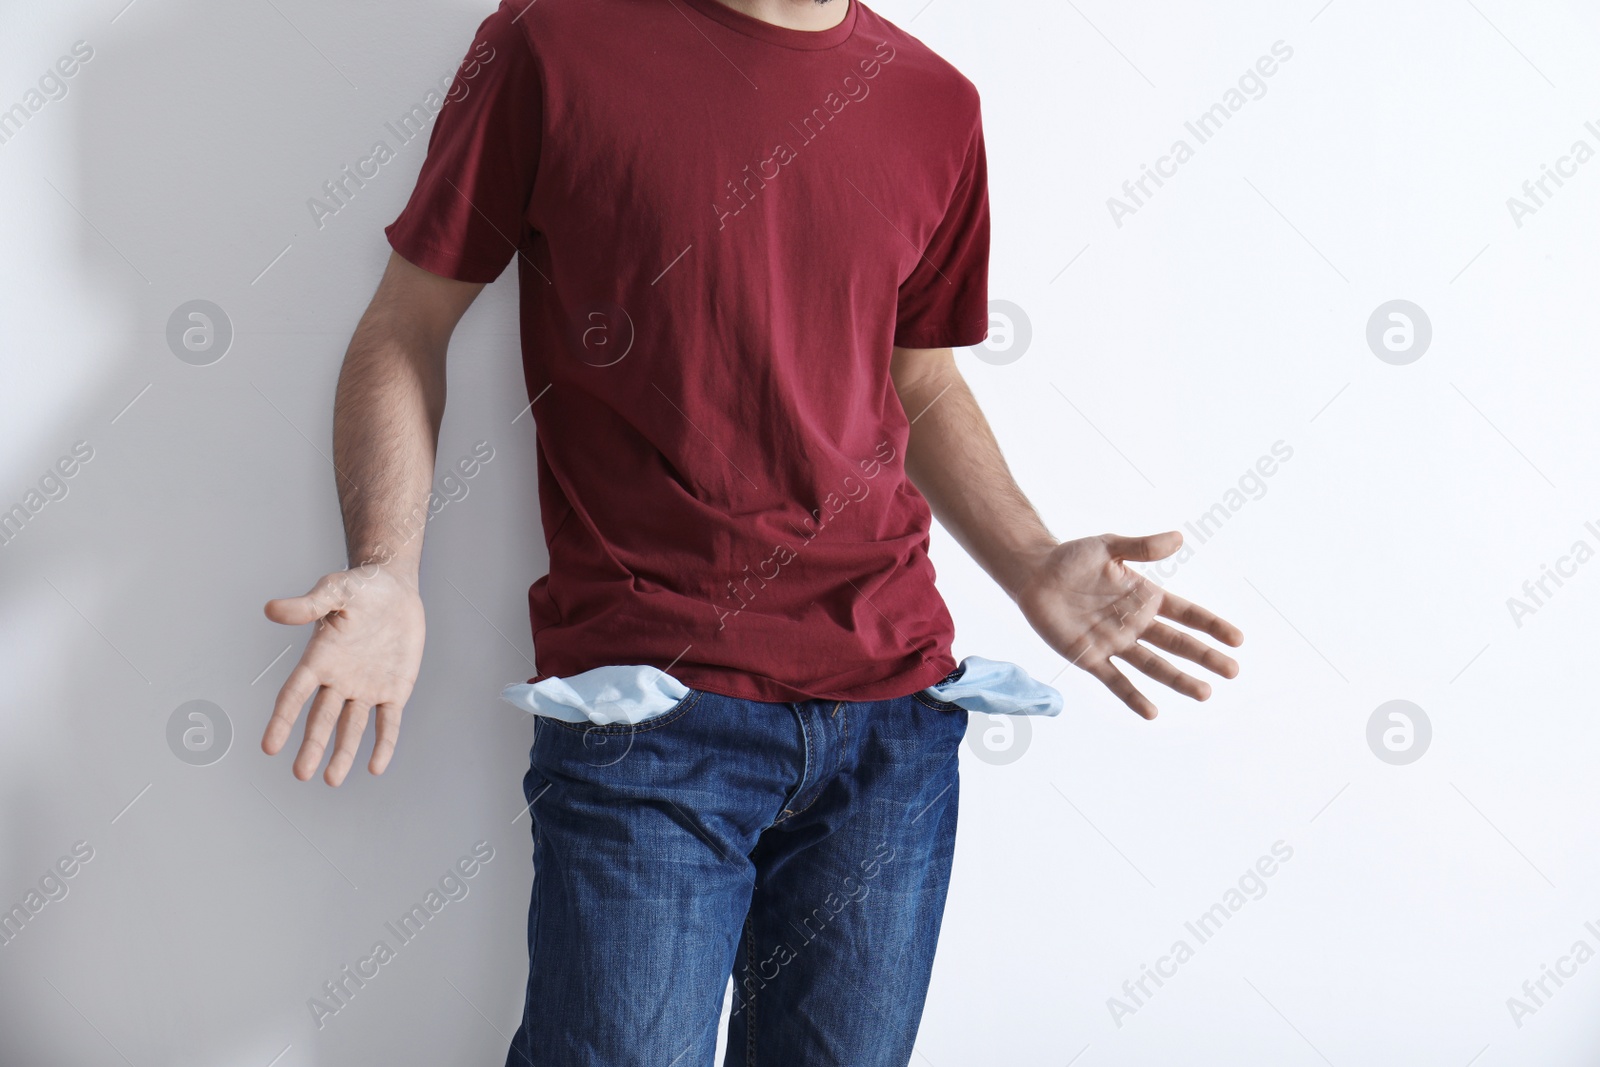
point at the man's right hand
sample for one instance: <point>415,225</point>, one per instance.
<point>364,654</point>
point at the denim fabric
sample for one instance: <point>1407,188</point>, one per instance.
<point>635,693</point>
<point>802,848</point>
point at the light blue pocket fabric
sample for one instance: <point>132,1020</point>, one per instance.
<point>995,687</point>
<point>604,696</point>
<point>633,693</point>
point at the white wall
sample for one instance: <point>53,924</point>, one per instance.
<point>1168,354</point>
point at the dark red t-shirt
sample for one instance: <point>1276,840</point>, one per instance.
<point>722,227</point>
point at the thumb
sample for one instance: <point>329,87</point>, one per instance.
<point>1145,549</point>
<point>326,596</point>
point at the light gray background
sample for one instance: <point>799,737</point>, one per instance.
<point>1167,355</point>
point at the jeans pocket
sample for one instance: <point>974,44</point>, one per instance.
<point>925,697</point>
<point>993,687</point>
<point>568,753</point>
<point>935,703</point>
<point>654,722</point>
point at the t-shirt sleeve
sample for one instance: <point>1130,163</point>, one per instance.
<point>944,303</point>
<point>467,215</point>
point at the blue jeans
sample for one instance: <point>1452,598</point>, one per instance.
<point>802,848</point>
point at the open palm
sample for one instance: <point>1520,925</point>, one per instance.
<point>363,657</point>
<point>1090,606</point>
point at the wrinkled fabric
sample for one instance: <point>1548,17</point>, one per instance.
<point>634,693</point>
<point>996,687</point>
<point>603,696</point>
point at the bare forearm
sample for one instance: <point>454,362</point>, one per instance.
<point>954,460</point>
<point>387,411</point>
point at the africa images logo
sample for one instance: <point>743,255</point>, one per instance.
<point>742,192</point>
<point>854,491</point>
<point>1251,85</point>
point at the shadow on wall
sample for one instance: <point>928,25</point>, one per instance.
<point>212,898</point>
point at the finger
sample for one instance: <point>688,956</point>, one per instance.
<point>352,724</point>
<point>329,594</point>
<point>1181,644</point>
<point>324,710</point>
<point>1165,673</point>
<point>388,736</point>
<point>297,689</point>
<point>1196,617</point>
<point>1123,689</point>
<point>1146,549</point>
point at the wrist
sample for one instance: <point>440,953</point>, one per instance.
<point>381,559</point>
<point>1022,564</point>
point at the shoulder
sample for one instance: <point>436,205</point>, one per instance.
<point>535,18</point>
<point>944,85</point>
<point>578,31</point>
<point>507,25</point>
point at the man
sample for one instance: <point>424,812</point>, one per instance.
<point>748,234</point>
